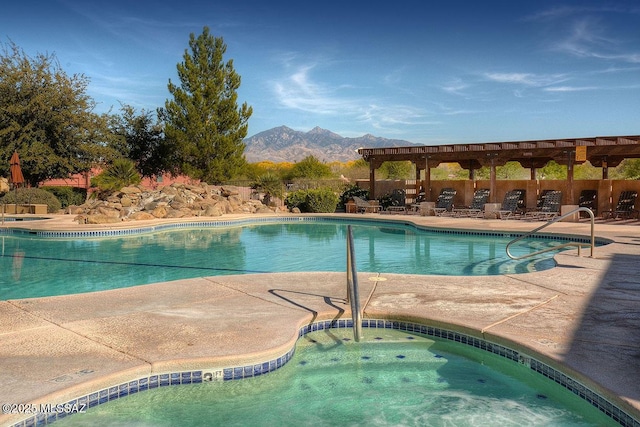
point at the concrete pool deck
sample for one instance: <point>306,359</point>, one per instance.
<point>583,315</point>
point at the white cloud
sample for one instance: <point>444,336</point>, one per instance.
<point>299,91</point>
<point>569,88</point>
<point>456,87</point>
<point>588,37</point>
<point>526,79</point>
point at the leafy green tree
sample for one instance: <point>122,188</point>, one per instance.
<point>203,120</point>
<point>587,171</point>
<point>309,167</point>
<point>397,170</point>
<point>552,170</point>
<point>627,169</point>
<point>47,117</point>
<point>121,173</point>
<point>141,139</point>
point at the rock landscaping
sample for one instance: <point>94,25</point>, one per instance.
<point>173,201</point>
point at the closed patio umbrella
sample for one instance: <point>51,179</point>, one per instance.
<point>16,171</point>
<point>16,174</point>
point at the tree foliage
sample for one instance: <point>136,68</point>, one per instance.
<point>627,169</point>
<point>397,170</point>
<point>309,167</point>
<point>47,117</point>
<point>203,119</point>
<point>141,139</point>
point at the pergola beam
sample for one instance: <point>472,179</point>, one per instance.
<point>601,151</point>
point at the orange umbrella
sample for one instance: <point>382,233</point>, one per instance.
<point>16,172</point>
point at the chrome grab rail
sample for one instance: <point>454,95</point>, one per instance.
<point>352,287</point>
<point>564,245</point>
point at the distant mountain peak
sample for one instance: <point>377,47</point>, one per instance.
<point>283,144</point>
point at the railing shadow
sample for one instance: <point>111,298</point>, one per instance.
<point>327,299</point>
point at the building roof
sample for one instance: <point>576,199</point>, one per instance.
<point>606,151</point>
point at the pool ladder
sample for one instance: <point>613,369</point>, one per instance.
<point>352,287</point>
<point>579,245</point>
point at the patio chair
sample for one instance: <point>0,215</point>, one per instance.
<point>444,204</point>
<point>513,204</point>
<point>589,199</point>
<point>476,210</point>
<point>550,208</point>
<point>625,208</point>
<point>541,199</point>
<point>365,206</point>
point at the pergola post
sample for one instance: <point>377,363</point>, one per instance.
<point>372,180</point>
<point>492,181</point>
<point>570,177</point>
<point>427,179</point>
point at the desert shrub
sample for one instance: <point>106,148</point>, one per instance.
<point>68,196</point>
<point>321,201</point>
<point>296,199</point>
<point>35,196</point>
<point>313,201</point>
<point>121,173</point>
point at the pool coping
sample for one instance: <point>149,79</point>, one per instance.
<point>624,236</point>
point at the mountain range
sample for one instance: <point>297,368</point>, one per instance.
<point>283,144</point>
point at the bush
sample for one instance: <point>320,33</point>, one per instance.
<point>313,201</point>
<point>121,173</point>
<point>353,190</point>
<point>35,196</point>
<point>322,201</point>
<point>68,196</point>
<point>296,199</point>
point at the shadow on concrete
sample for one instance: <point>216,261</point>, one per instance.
<point>611,326</point>
<point>328,300</point>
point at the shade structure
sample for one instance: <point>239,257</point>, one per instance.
<point>16,172</point>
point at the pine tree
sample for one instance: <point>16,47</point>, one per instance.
<point>203,120</point>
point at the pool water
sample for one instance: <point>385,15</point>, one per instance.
<point>390,378</point>
<point>44,266</point>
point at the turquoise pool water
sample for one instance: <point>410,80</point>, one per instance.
<point>390,378</point>
<point>44,266</point>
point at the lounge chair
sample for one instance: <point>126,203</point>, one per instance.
<point>365,206</point>
<point>476,210</point>
<point>512,205</point>
<point>589,199</point>
<point>550,206</point>
<point>444,204</point>
<point>626,207</point>
<point>541,199</point>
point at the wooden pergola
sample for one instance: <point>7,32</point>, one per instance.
<point>600,151</point>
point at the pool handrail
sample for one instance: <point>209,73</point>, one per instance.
<point>353,296</point>
<point>579,245</point>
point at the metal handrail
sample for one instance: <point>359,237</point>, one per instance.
<point>353,296</point>
<point>564,245</point>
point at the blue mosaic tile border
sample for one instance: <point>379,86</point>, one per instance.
<point>284,219</point>
<point>249,371</point>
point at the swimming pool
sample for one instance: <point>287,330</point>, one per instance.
<point>62,263</point>
<point>391,377</point>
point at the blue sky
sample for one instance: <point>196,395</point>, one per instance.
<point>429,72</point>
